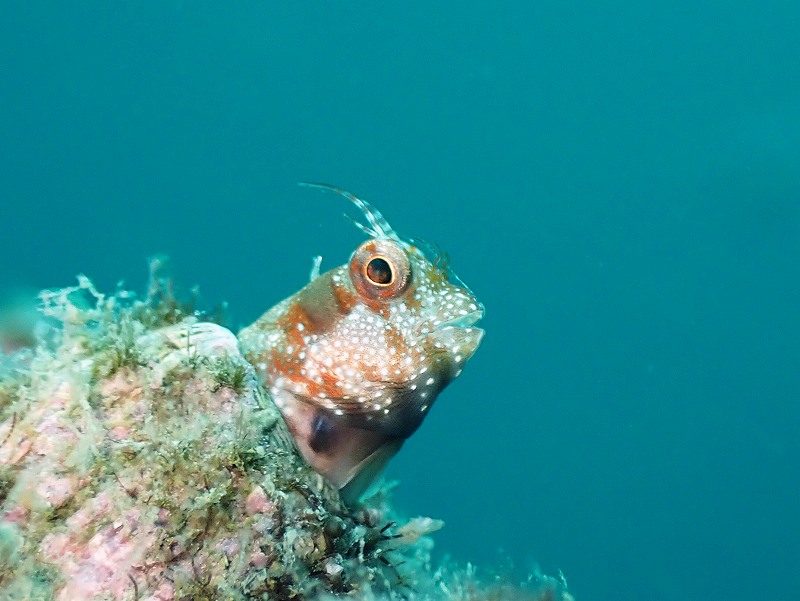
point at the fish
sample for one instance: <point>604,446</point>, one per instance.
<point>355,359</point>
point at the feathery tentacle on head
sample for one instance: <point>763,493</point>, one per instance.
<point>378,226</point>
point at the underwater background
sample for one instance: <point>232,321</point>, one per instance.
<point>618,182</point>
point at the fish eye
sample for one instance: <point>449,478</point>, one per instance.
<point>380,269</point>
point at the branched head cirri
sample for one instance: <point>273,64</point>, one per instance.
<point>356,358</point>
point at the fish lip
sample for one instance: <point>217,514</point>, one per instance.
<point>462,321</point>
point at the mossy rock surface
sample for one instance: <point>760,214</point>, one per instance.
<point>140,459</point>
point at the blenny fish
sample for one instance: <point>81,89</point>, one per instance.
<point>355,360</point>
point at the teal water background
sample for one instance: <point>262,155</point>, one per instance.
<point>618,182</point>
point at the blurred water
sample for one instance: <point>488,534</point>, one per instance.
<point>618,183</point>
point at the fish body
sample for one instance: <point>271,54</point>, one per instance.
<point>355,359</point>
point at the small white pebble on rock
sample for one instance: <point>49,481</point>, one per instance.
<point>332,568</point>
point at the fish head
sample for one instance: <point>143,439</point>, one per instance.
<point>356,359</point>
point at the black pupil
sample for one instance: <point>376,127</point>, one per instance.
<point>379,271</point>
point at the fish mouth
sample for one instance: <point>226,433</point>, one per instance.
<point>458,336</point>
<point>467,320</point>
